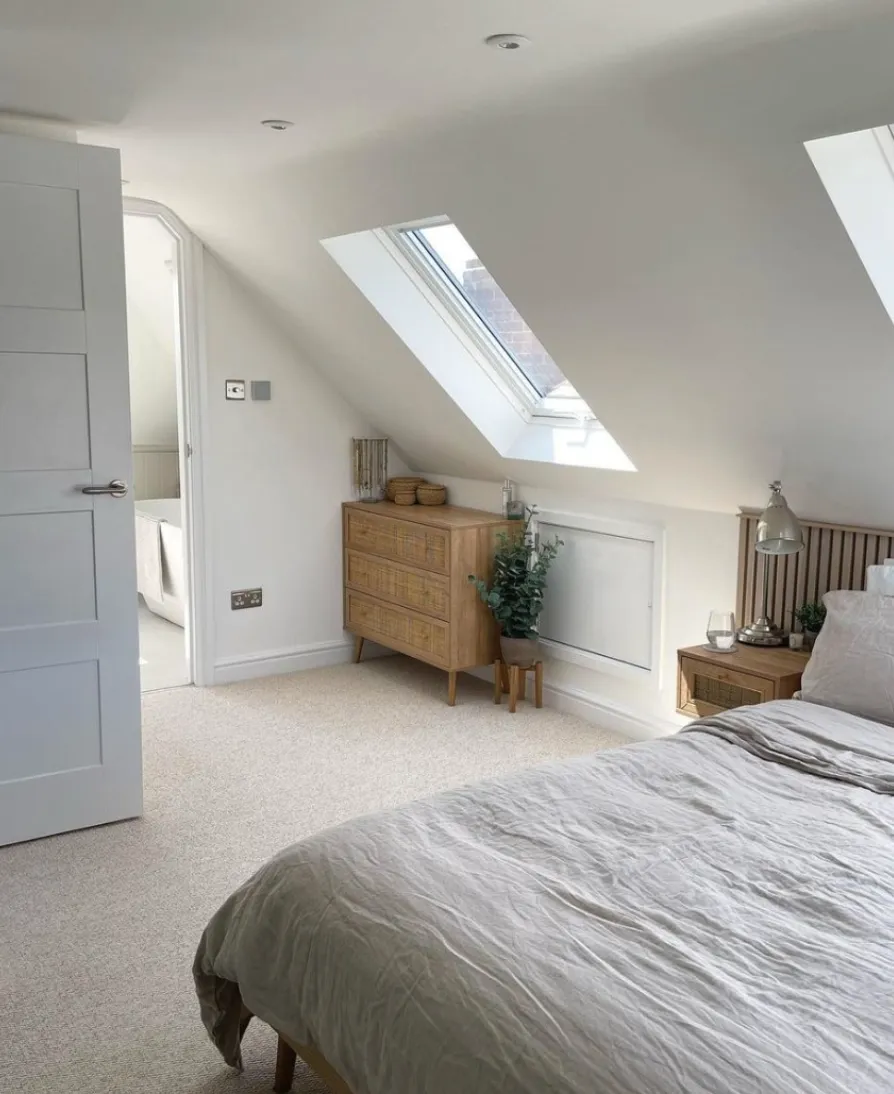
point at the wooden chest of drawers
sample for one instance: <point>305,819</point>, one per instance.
<point>406,582</point>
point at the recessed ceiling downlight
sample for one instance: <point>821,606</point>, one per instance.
<point>277,123</point>
<point>507,41</point>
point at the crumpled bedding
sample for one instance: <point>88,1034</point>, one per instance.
<point>707,913</point>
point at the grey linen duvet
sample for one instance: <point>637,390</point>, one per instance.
<point>709,913</point>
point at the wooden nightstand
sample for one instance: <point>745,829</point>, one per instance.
<point>708,682</point>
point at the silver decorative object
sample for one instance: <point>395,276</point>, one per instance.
<point>370,468</point>
<point>778,533</point>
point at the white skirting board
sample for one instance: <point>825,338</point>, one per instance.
<point>608,715</point>
<point>276,662</point>
<point>588,706</point>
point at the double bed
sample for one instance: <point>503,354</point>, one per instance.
<point>710,912</point>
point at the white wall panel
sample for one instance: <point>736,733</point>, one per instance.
<point>600,595</point>
<point>156,472</point>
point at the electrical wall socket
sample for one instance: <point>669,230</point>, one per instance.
<point>245,598</point>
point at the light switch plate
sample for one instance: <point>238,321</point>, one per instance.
<point>235,389</point>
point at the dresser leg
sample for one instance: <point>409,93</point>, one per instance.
<point>451,689</point>
<point>358,647</point>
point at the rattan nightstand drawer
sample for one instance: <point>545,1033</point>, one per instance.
<point>707,689</point>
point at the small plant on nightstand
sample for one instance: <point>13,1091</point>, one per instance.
<point>811,617</point>
<point>515,593</point>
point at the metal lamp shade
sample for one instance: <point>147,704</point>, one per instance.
<point>778,530</point>
<point>778,533</point>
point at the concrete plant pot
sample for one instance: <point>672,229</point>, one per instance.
<point>520,651</point>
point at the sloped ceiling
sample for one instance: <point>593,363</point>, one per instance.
<point>655,219</point>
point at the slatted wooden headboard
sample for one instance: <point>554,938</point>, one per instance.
<point>835,556</point>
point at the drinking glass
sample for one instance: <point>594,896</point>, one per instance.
<point>722,631</point>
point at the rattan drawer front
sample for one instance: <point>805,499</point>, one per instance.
<point>397,628</point>
<point>401,540</point>
<point>706,689</point>
<point>420,590</point>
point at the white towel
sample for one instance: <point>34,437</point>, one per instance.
<point>149,570</point>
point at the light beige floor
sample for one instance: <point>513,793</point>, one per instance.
<point>98,928</point>
<point>162,652</point>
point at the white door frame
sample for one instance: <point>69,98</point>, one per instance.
<point>192,408</point>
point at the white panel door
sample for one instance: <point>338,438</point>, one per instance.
<point>70,754</point>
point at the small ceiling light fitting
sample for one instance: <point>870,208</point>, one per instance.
<point>507,41</point>
<point>277,123</point>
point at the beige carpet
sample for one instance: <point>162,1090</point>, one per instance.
<point>98,928</point>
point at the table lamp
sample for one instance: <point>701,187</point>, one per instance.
<point>778,533</point>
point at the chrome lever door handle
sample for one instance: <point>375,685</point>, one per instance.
<point>117,488</point>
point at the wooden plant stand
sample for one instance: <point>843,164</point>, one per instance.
<point>509,677</point>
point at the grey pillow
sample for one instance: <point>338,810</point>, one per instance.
<point>852,666</point>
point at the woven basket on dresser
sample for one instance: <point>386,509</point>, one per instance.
<point>402,482</point>
<point>404,497</point>
<point>431,493</point>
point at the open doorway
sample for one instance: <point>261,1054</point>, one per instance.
<point>153,321</point>
<point>163,279</point>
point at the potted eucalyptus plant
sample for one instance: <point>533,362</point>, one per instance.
<point>515,592</point>
<point>811,617</point>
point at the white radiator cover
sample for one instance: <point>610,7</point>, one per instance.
<point>603,600</point>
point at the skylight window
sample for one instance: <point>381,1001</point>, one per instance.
<point>458,275</point>
<point>434,292</point>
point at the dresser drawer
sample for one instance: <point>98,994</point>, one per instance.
<point>420,590</point>
<point>707,689</point>
<point>401,540</point>
<point>399,629</point>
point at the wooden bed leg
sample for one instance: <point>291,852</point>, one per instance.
<point>285,1064</point>
<point>358,647</point>
<point>451,689</point>
<point>243,1024</point>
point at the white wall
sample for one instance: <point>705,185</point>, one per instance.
<point>151,331</point>
<point>277,473</point>
<point>700,552</point>
<point>663,231</point>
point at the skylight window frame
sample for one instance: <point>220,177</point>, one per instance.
<point>499,362</point>
<point>502,367</point>
<point>374,260</point>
